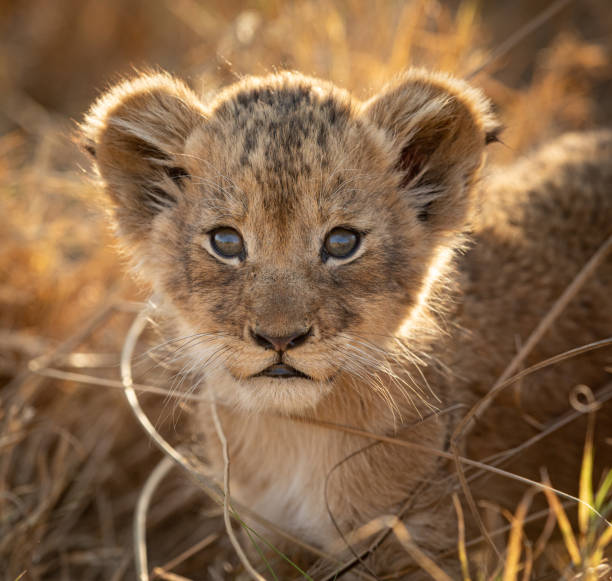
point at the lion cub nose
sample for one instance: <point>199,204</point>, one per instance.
<point>281,343</point>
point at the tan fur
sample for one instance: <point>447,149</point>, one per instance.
<point>403,328</point>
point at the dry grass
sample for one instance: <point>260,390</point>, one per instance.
<point>72,459</point>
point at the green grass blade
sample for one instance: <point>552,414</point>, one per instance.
<point>603,491</point>
<point>281,554</point>
<point>261,554</point>
<point>277,551</point>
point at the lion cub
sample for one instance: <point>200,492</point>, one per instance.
<point>344,263</point>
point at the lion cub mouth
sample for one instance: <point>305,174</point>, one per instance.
<point>281,371</point>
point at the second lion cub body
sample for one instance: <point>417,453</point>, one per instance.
<point>312,241</point>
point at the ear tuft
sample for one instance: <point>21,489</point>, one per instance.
<point>437,128</point>
<point>492,136</point>
<point>136,133</point>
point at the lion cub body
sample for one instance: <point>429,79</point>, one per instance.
<point>398,338</point>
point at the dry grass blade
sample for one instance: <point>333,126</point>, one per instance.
<point>357,558</point>
<point>201,545</point>
<point>161,574</point>
<point>92,380</point>
<point>465,569</point>
<point>398,528</point>
<point>226,498</point>
<point>99,317</point>
<point>564,524</point>
<point>601,396</point>
<point>140,517</point>
<point>423,560</point>
<point>351,564</point>
<point>530,27</point>
<point>472,503</point>
<point>528,566</point>
<point>135,331</point>
<point>513,556</point>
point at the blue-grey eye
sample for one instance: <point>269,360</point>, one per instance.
<point>340,243</point>
<point>227,243</point>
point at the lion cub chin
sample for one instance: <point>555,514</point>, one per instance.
<point>304,247</point>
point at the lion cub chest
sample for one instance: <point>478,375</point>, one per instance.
<point>279,469</point>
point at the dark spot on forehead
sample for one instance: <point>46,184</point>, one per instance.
<point>250,139</point>
<point>332,110</point>
<point>284,99</point>
<point>302,102</point>
<point>322,136</point>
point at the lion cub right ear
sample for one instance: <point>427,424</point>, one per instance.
<point>437,129</point>
<point>136,133</point>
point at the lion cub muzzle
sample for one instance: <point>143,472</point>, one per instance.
<point>280,345</point>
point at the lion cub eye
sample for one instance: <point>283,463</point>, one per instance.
<point>340,243</point>
<point>227,243</point>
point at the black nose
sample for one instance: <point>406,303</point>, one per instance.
<point>281,343</point>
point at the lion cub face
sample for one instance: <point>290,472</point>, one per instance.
<point>288,227</point>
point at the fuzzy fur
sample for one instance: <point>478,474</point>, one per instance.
<point>402,328</point>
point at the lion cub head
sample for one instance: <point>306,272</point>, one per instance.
<point>290,228</point>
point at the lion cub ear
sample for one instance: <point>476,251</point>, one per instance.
<point>136,133</point>
<point>438,127</point>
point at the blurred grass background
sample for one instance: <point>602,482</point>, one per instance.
<point>71,458</point>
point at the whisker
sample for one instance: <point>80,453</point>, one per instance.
<point>403,356</point>
<point>368,374</point>
<point>165,343</point>
<point>375,361</point>
<point>207,365</point>
<point>169,358</point>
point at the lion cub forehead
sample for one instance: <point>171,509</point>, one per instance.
<point>282,143</point>
<point>282,94</point>
<point>284,122</point>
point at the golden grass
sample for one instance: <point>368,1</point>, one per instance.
<point>72,460</point>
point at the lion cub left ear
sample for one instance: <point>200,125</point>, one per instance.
<point>437,128</point>
<point>136,133</point>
